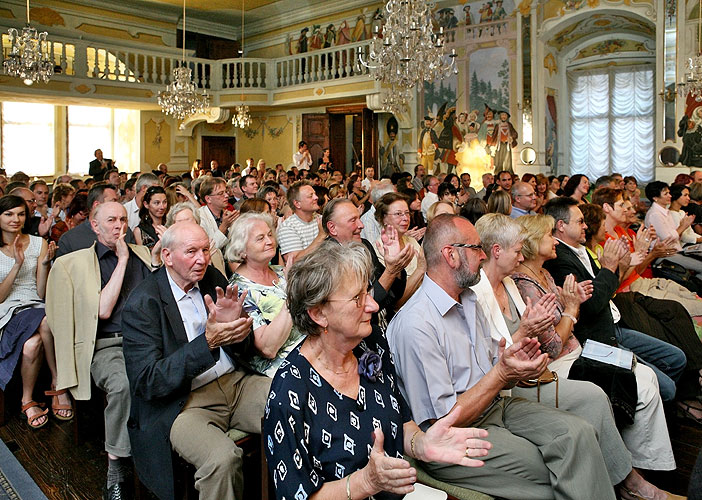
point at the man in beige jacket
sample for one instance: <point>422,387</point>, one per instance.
<point>86,291</point>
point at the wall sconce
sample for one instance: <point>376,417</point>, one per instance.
<point>667,95</point>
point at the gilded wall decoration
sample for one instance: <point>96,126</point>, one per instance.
<point>608,47</point>
<point>600,24</point>
<point>550,64</point>
<point>46,16</point>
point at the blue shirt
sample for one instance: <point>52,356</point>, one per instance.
<point>518,212</point>
<point>441,349</point>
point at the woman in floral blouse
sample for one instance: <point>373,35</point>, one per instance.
<point>253,244</point>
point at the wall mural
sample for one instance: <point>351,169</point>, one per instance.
<point>608,47</point>
<point>600,24</point>
<point>551,130</point>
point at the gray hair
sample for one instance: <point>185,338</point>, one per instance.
<point>146,180</point>
<point>498,229</point>
<point>440,232</point>
<point>316,276</point>
<point>239,234</point>
<point>381,190</point>
<point>179,207</point>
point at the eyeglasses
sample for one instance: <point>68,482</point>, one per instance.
<point>359,299</point>
<point>400,214</point>
<point>532,195</point>
<point>478,246</point>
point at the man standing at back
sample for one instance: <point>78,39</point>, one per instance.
<point>300,233</point>
<point>302,159</point>
<point>99,166</point>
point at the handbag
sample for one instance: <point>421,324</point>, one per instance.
<point>546,377</point>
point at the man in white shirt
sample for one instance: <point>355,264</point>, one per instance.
<point>214,219</point>
<point>367,183</point>
<point>431,195</point>
<point>371,229</point>
<point>184,330</point>
<point>300,233</point>
<point>144,182</point>
<point>302,158</point>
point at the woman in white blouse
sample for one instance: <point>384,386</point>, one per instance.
<point>679,199</point>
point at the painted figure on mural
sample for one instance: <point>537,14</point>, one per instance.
<point>428,142</point>
<point>344,35</point>
<point>359,31</point>
<point>449,140</point>
<point>469,15</point>
<point>690,129</point>
<point>486,12</point>
<point>447,18</point>
<point>302,41</point>
<point>316,40</point>
<point>329,36</point>
<point>377,22</point>
<point>472,127</point>
<point>504,137</point>
<point>500,12</point>
<point>487,127</point>
<point>389,155</point>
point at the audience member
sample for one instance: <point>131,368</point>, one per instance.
<point>500,202</point>
<point>300,233</point>
<point>487,179</point>
<point>438,208</point>
<point>61,197</point>
<point>679,201</point>
<point>302,159</point>
<point>41,195</point>
<point>431,196</point>
<point>26,337</point>
<point>504,181</point>
<point>94,284</point>
<point>330,302</point>
<point>144,181</point>
<point>577,188</point>
<point>76,214</point>
<point>36,226</point>
<point>152,217</point>
<point>537,451</point>
<point>99,165</point>
<point>523,199</point>
<point>418,180</point>
<point>215,218</point>
<point>183,331</point>
<point>474,209</point>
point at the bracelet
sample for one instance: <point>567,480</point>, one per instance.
<point>348,487</point>
<point>414,455</point>
<point>570,316</point>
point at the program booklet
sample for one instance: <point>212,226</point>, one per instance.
<point>608,354</point>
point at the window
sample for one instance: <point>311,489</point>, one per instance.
<point>89,129</point>
<point>114,131</point>
<point>28,138</point>
<point>611,122</point>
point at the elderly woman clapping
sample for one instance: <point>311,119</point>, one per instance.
<point>336,425</point>
<point>253,244</point>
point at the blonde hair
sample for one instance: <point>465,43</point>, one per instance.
<point>431,212</point>
<point>500,202</point>
<point>498,229</point>
<point>534,227</point>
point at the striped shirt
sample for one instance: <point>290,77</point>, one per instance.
<point>295,235</point>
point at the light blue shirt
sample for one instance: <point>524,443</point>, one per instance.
<point>441,349</point>
<point>194,314</point>
<point>518,212</point>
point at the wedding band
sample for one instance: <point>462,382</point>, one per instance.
<point>467,452</point>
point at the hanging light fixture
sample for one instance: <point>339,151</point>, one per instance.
<point>409,52</point>
<point>693,77</point>
<point>29,57</point>
<point>242,118</point>
<point>181,98</point>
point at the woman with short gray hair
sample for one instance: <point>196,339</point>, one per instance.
<point>337,394</point>
<point>252,243</point>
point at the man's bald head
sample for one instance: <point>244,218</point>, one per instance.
<point>109,221</point>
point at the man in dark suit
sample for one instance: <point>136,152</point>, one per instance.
<point>182,334</point>
<point>99,166</point>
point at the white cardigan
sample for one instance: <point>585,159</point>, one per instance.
<point>488,303</point>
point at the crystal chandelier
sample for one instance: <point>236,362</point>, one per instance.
<point>242,118</point>
<point>409,52</point>
<point>693,77</point>
<point>29,57</point>
<point>395,100</point>
<point>181,98</point>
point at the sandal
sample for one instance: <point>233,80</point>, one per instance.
<point>31,420</point>
<point>684,411</point>
<point>56,406</point>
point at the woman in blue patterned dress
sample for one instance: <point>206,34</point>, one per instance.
<point>253,244</point>
<point>335,424</point>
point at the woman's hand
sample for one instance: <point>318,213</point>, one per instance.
<point>18,250</point>
<point>585,289</point>
<point>642,240</point>
<point>538,317</point>
<point>50,252</point>
<point>416,233</point>
<point>686,222</point>
<point>384,473</point>
<point>570,295</point>
<point>452,445</point>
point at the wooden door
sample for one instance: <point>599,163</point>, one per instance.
<point>370,141</point>
<point>315,132</point>
<point>337,141</point>
<point>222,149</point>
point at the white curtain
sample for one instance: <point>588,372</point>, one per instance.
<point>611,122</point>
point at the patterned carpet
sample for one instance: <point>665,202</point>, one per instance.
<point>15,483</point>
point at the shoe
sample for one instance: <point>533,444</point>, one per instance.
<point>118,491</point>
<point>31,420</point>
<point>627,494</point>
<point>684,411</point>
<point>56,406</point>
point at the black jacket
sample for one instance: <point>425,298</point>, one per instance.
<point>161,365</point>
<point>595,320</point>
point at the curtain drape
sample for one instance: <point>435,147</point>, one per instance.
<point>611,122</point>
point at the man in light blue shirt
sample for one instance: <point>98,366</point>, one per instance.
<point>523,200</point>
<point>445,356</point>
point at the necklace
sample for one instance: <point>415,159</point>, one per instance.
<point>539,276</point>
<point>330,370</point>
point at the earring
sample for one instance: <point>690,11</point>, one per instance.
<point>325,330</point>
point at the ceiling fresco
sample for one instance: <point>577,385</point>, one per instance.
<point>600,24</point>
